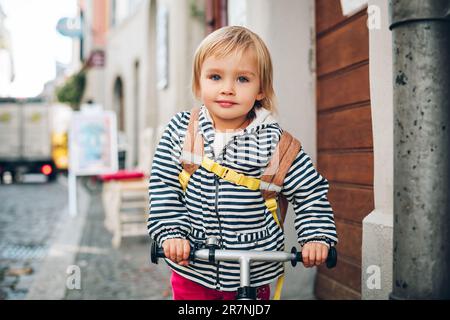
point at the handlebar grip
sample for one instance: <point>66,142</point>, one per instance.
<point>330,262</point>
<point>332,258</point>
<point>158,252</point>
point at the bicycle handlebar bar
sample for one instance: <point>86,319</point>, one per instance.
<point>212,254</point>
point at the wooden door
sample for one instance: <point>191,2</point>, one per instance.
<point>215,14</point>
<point>344,139</point>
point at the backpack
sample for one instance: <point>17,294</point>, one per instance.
<point>270,183</point>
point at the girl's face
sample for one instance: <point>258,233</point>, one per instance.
<point>229,87</point>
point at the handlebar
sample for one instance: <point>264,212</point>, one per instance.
<point>213,254</point>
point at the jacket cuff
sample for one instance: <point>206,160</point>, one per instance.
<point>169,234</point>
<point>323,240</point>
<point>318,241</point>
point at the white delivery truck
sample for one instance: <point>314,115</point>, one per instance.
<point>25,141</point>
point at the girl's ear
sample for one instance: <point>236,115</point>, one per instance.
<point>260,96</point>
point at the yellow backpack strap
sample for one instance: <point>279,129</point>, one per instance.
<point>230,175</point>
<point>279,287</point>
<point>272,182</point>
<point>192,149</point>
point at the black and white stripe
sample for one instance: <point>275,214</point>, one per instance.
<point>238,216</point>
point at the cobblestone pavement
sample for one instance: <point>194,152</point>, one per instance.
<point>28,216</point>
<point>109,273</point>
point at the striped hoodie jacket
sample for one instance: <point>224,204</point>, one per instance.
<point>213,207</point>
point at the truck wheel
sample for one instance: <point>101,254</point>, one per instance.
<point>51,178</point>
<point>7,177</point>
<point>17,177</point>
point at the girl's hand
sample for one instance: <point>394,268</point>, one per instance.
<point>314,254</point>
<point>177,250</point>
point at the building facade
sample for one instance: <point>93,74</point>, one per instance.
<point>144,50</point>
<point>333,79</point>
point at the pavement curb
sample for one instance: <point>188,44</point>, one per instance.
<point>50,280</point>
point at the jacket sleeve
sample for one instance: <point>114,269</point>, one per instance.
<point>168,216</point>
<point>307,190</point>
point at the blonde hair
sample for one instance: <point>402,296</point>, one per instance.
<point>230,39</point>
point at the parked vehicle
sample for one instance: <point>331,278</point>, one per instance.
<point>25,141</point>
<point>61,116</point>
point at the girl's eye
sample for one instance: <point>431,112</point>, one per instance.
<point>243,79</point>
<point>214,77</point>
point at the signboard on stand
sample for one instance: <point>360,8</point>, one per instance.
<point>92,147</point>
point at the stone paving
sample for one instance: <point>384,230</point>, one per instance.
<point>109,273</point>
<point>28,216</point>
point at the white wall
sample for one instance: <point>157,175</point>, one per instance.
<point>287,27</point>
<point>95,86</point>
<point>185,33</point>
<point>127,43</point>
<point>137,32</point>
<point>377,246</point>
<point>95,77</point>
<point>87,28</point>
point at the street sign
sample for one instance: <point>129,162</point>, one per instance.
<point>70,27</point>
<point>96,59</point>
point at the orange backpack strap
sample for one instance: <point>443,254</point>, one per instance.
<point>272,181</point>
<point>273,177</point>
<point>192,153</point>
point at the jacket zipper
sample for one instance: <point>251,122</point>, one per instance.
<point>216,181</point>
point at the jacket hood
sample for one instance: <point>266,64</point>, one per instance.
<point>263,119</point>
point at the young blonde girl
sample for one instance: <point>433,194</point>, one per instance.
<point>232,77</point>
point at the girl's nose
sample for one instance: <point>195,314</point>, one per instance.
<point>228,88</point>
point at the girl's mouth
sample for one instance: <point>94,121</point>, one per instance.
<point>225,103</point>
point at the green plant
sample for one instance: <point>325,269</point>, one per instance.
<point>195,12</point>
<point>72,90</point>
